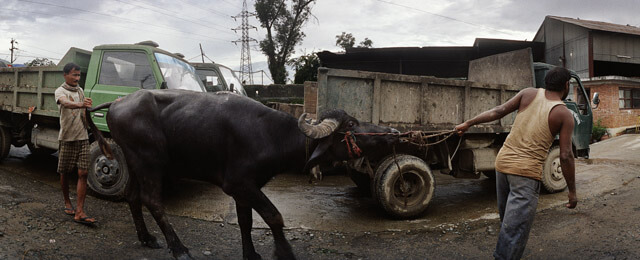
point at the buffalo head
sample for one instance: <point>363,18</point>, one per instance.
<point>342,137</point>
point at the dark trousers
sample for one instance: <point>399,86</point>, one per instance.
<point>517,202</point>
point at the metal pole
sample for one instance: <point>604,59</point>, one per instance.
<point>201,52</point>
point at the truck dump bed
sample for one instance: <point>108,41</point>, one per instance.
<point>426,103</point>
<point>411,102</point>
<point>25,87</point>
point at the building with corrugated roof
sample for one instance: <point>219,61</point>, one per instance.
<point>607,58</point>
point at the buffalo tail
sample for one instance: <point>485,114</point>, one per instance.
<point>104,146</point>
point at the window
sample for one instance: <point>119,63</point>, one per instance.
<point>130,69</point>
<point>629,98</point>
<point>178,74</point>
<point>212,82</point>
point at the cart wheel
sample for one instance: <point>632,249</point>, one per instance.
<point>5,142</point>
<point>405,196</point>
<point>552,178</point>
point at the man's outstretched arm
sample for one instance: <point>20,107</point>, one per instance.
<point>492,114</point>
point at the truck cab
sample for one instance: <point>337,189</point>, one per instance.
<point>116,70</point>
<point>578,103</point>
<point>217,77</point>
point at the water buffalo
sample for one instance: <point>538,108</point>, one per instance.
<point>229,140</point>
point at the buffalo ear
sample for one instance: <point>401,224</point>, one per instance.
<point>320,150</point>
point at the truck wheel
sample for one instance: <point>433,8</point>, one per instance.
<point>407,195</point>
<point>108,179</point>
<point>5,142</point>
<point>552,178</point>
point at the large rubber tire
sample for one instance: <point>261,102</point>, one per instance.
<point>5,142</point>
<point>406,199</point>
<point>108,179</point>
<point>552,178</point>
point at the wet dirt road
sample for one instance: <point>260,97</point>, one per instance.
<point>335,204</point>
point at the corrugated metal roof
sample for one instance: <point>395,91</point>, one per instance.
<point>600,26</point>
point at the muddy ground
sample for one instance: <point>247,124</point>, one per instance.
<point>33,226</point>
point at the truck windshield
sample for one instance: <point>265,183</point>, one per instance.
<point>178,74</point>
<point>230,78</point>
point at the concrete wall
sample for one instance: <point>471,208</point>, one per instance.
<point>609,110</point>
<point>311,98</point>
<point>291,93</point>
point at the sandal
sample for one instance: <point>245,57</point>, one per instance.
<point>85,221</point>
<point>69,211</point>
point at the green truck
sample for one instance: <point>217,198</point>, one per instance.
<point>29,114</point>
<point>217,77</point>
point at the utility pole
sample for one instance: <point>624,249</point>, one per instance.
<point>245,57</point>
<point>201,52</point>
<point>13,49</point>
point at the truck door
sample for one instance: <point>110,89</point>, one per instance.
<point>120,73</point>
<point>578,103</point>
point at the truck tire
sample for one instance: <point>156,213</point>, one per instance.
<point>5,142</point>
<point>552,178</point>
<point>107,179</point>
<point>406,199</point>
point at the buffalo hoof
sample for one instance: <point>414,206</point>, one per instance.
<point>151,243</point>
<point>285,256</point>
<point>184,256</point>
<point>254,256</point>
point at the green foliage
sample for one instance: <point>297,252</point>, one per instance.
<point>306,67</point>
<point>598,130</point>
<point>39,62</point>
<point>283,20</point>
<point>346,40</point>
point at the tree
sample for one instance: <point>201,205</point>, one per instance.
<point>39,62</point>
<point>306,67</point>
<point>283,20</point>
<point>346,40</point>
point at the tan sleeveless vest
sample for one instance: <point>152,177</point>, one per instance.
<point>527,145</point>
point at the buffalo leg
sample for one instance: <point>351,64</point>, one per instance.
<point>271,216</point>
<point>151,197</point>
<point>245,220</point>
<point>133,199</point>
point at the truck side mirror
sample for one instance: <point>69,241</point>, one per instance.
<point>596,99</point>
<point>231,87</point>
<point>163,85</point>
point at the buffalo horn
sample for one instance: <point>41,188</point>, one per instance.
<point>325,128</point>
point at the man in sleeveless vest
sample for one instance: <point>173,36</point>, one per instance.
<point>74,140</point>
<point>541,116</point>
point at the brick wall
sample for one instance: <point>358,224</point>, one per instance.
<point>609,109</point>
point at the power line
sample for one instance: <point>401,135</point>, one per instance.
<point>173,16</point>
<point>207,9</point>
<point>41,49</point>
<point>116,25</point>
<point>113,16</point>
<point>444,16</point>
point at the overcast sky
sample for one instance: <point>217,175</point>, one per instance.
<point>47,28</point>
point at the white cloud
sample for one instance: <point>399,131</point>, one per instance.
<point>48,29</point>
